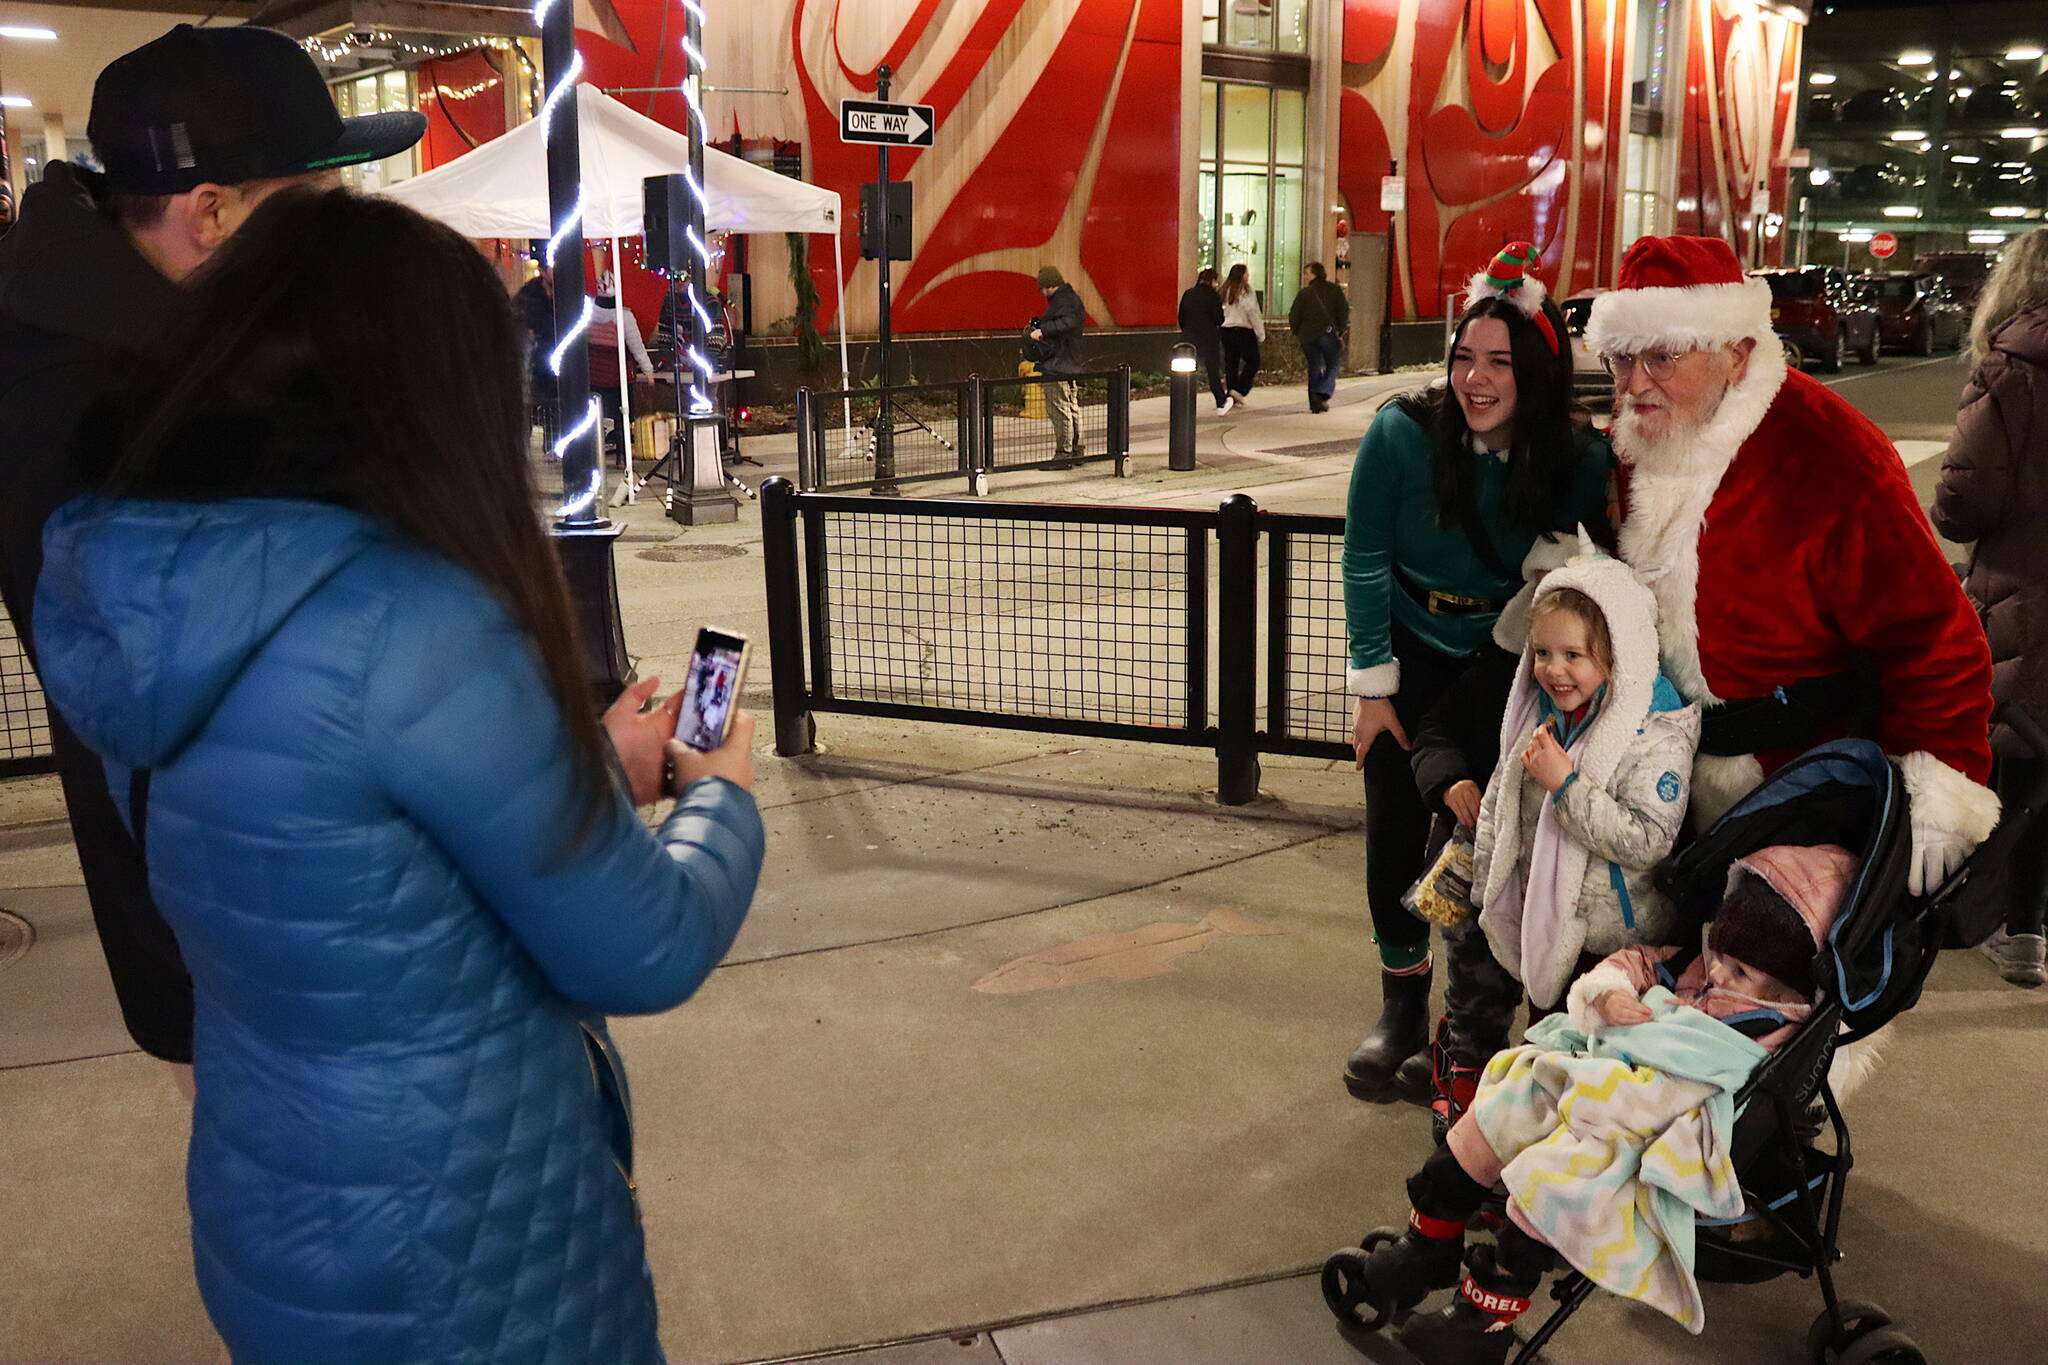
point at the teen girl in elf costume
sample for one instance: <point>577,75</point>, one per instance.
<point>1452,489</point>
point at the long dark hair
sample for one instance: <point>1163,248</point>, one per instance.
<point>345,348</point>
<point>1238,284</point>
<point>1542,454</point>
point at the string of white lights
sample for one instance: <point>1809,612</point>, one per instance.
<point>700,270</point>
<point>564,88</point>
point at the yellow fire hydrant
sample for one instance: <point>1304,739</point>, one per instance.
<point>1034,394</point>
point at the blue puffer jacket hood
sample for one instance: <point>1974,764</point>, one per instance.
<point>152,609</point>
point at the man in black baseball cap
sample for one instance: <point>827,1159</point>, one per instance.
<point>194,130</point>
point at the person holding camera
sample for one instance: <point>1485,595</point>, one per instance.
<point>1056,338</point>
<point>394,839</point>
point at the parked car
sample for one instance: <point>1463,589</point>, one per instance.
<point>1917,312</point>
<point>1964,272</point>
<point>1591,384</point>
<point>1819,317</point>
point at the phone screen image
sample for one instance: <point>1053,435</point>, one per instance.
<point>712,689</point>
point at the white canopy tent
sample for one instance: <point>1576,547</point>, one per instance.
<point>500,189</point>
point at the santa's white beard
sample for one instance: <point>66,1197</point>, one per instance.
<point>1666,453</point>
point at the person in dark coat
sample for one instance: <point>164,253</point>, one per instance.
<point>1320,316</point>
<point>88,279</point>
<point>397,845</point>
<point>1994,491</point>
<point>1201,326</point>
<point>1061,325</point>
<point>534,303</point>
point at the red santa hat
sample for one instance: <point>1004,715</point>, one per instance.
<point>1687,293</point>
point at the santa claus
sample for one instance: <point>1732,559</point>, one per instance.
<point>1797,580</point>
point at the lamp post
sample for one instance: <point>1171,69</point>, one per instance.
<point>1180,406</point>
<point>583,536</point>
<point>703,497</point>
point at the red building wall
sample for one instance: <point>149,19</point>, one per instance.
<point>1510,118</point>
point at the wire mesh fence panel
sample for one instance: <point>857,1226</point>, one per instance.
<point>1064,621</point>
<point>24,721</point>
<point>1028,422</point>
<point>1312,703</point>
<point>902,436</point>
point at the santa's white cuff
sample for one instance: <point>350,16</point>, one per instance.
<point>1718,782</point>
<point>1381,680</point>
<point>1945,800</point>
<point>1578,1002</point>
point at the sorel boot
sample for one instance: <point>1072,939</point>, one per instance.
<point>1402,1031</point>
<point>1476,1328</point>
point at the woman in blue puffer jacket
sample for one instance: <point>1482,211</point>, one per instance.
<point>314,604</point>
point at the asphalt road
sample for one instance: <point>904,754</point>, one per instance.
<point>1914,401</point>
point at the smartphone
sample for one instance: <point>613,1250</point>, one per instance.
<point>718,668</point>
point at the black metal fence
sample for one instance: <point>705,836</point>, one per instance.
<point>1084,620</point>
<point>24,719</point>
<point>876,440</point>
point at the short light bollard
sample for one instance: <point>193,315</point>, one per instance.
<point>1180,428</point>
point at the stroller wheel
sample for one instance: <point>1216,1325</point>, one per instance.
<point>1345,1289</point>
<point>1883,1346</point>
<point>1858,1318</point>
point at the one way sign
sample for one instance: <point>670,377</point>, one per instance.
<point>892,125</point>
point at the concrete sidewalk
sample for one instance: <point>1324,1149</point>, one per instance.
<point>861,1138</point>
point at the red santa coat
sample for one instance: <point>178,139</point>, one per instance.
<point>1791,543</point>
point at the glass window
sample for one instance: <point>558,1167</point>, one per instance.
<point>388,93</point>
<point>1246,117</point>
<point>1291,26</point>
<point>1253,196</point>
<point>1256,25</point>
<point>1212,21</point>
<point>1652,47</point>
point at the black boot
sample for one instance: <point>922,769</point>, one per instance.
<point>1402,1031</point>
<point>1475,1329</point>
<point>1368,1285</point>
<point>1414,1079</point>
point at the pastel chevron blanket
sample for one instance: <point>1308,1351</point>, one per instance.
<point>1612,1143</point>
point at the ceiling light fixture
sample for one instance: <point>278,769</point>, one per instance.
<point>1915,58</point>
<point>1821,78</point>
<point>1901,211</point>
<point>16,102</point>
<point>34,35</point>
<point>2009,211</point>
<point>2028,53</point>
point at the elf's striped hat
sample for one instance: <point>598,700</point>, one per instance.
<point>1510,275</point>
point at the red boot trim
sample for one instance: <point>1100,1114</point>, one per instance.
<point>1442,1229</point>
<point>1502,1308</point>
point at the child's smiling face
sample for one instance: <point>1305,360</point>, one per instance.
<point>1561,659</point>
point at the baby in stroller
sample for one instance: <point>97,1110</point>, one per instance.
<point>1611,1126</point>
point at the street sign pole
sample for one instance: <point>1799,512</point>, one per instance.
<point>885,417</point>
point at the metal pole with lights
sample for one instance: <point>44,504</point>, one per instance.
<point>1180,407</point>
<point>702,498</point>
<point>583,537</point>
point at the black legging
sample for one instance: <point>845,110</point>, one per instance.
<point>1396,821</point>
<point>1240,358</point>
<point>1210,350</point>
<point>2026,885</point>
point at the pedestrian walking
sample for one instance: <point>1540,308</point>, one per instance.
<point>312,626</point>
<point>1320,318</point>
<point>1453,488</point>
<point>1244,328</point>
<point>1201,326</point>
<point>89,277</point>
<point>1060,327</point>
<point>1994,491</point>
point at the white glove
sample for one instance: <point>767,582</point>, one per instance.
<point>1937,853</point>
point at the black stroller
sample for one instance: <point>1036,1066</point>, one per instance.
<point>1791,1144</point>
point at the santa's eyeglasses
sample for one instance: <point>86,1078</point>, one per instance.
<point>1659,363</point>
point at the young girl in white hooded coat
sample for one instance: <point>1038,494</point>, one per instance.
<point>1596,757</point>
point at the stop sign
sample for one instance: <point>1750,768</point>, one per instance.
<point>1883,245</point>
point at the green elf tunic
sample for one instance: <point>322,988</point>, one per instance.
<point>1391,520</point>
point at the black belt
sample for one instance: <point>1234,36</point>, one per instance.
<point>1793,715</point>
<point>1446,603</point>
